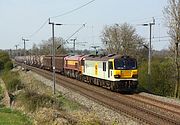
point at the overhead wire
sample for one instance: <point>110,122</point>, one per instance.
<point>147,18</point>
<point>68,12</point>
<point>159,37</point>
<point>38,29</point>
<point>66,41</point>
<point>71,11</point>
<point>76,31</point>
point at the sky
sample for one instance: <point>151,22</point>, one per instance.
<point>29,19</point>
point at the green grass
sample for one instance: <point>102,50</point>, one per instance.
<point>10,117</point>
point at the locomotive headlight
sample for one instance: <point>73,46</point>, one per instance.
<point>117,76</point>
<point>135,76</point>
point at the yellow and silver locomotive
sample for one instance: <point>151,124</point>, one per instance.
<point>119,73</point>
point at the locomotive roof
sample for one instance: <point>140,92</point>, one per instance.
<point>105,57</point>
<point>62,55</point>
<point>75,57</point>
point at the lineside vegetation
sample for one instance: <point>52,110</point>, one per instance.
<point>12,82</point>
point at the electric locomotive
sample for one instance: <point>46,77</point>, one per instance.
<point>118,73</point>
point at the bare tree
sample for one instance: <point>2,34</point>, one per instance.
<point>172,15</point>
<point>46,46</point>
<point>122,39</point>
<point>35,50</point>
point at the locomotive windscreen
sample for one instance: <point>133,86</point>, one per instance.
<point>126,64</point>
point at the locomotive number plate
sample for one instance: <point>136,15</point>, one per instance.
<point>126,73</point>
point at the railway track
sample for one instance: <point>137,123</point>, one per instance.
<point>141,108</point>
<point>175,109</point>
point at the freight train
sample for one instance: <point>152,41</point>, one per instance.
<point>115,72</point>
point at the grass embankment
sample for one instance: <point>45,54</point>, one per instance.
<point>12,84</point>
<point>10,116</point>
<point>42,107</point>
<point>47,109</point>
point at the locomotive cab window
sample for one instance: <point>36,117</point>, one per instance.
<point>66,63</point>
<point>110,64</point>
<point>104,66</point>
<point>76,65</point>
<point>125,64</point>
<point>82,63</point>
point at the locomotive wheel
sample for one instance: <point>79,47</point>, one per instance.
<point>112,86</point>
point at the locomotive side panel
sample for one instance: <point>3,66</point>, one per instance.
<point>97,69</point>
<point>73,66</point>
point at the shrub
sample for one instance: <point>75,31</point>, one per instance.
<point>1,93</point>
<point>8,65</point>
<point>33,100</point>
<point>1,65</point>
<point>1,90</point>
<point>12,81</point>
<point>162,73</point>
<point>13,85</point>
<point>4,58</point>
<point>68,104</point>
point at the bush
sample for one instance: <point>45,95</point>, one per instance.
<point>33,100</point>
<point>8,65</point>
<point>68,104</point>
<point>162,73</point>
<point>12,81</point>
<point>4,58</point>
<point>13,85</point>
<point>1,90</point>
<point>1,93</point>
<point>1,65</point>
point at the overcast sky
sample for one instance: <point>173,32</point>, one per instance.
<point>22,18</point>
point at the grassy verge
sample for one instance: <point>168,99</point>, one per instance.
<point>37,95</point>
<point>47,108</point>
<point>12,83</point>
<point>9,117</point>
